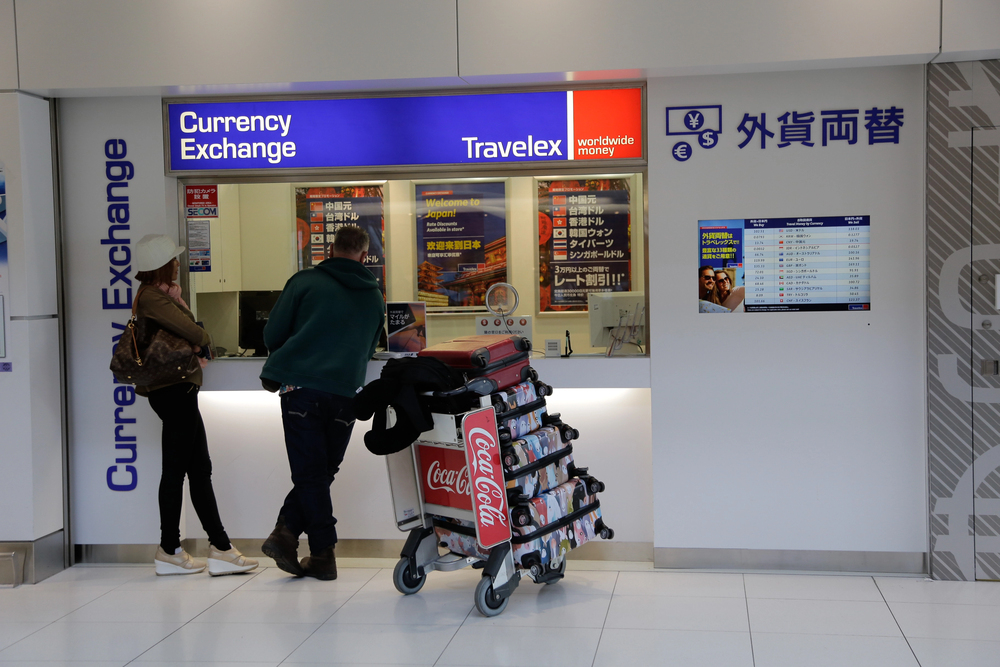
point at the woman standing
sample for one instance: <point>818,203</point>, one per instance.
<point>185,447</point>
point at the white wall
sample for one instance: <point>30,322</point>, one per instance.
<point>656,38</point>
<point>251,476</point>
<point>188,45</point>
<point>101,515</point>
<point>970,30</point>
<point>792,431</point>
<point>8,46</point>
<point>30,397</point>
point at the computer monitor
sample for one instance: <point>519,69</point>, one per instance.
<point>255,308</point>
<point>608,310</point>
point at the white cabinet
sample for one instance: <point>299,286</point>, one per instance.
<point>226,274</point>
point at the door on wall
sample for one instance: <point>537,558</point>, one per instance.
<point>984,295</point>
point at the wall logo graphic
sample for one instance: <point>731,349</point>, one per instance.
<point>963,404</point>
<point>705,123</point>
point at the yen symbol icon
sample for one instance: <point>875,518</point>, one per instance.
<point>694,120</point>
<point>682,151</point>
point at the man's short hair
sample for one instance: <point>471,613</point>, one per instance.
<point>350,240</point>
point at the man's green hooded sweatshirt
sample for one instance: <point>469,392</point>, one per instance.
<point>324,328</point>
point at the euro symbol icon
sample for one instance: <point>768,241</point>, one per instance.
<point>682,151</point>
<point>694,119</point>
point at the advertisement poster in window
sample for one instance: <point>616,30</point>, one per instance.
<point>759,265</point>
<point>321,211</point>
<point>3,267</point>
<point>584,241</point>
<point>461,242</point>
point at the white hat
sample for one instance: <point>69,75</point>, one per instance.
<point>153,251</point>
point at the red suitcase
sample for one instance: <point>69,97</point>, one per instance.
<point>501,359</point>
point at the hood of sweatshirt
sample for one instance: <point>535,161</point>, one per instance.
<point>351,274</point>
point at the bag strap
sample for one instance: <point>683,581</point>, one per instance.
<point>131,325</point>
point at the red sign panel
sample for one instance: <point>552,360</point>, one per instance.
<point>202,195</point>
<point>445,477</point>
<point>607,124</point>
<point>489,493</point>
<point>202,201</point>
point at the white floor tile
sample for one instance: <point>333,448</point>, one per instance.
<point>373,644</point>
<point>681,584</point>
<point>67,663</point>
<point>171,663</point>
<point>305,606</point>
<point>273,579</point>
<point>521,646</point>
<point>822,617</point>
<point>581,582</point>
<point>678,613</point>
<point>631,648</point>
<point>551,608</point>
<point>393,608</point>
<point>187,582</point>
<point>96,575</point>
<point>810,587</point>
<point>898,589</point>
<point>791,650</point>
<point>88,641</point>
<point>145,607</point>
<point>956,652</point>
<point>232,642</point>
<point>13,632</point>
<point>459,581</point>
<point>34,605</point>
<point>948,621</point>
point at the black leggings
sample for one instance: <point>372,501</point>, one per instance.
<point>185,452</point>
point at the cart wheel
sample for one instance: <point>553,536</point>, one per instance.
<point>607,534</point>
<point>561,571</point>
<point>487,602</point>
<point>403,579</point>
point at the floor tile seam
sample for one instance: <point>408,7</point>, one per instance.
<point>813,599</point>
<point>52,622</point>
<point>746,599</point>
<point>945,604</point>
<point>829,634</point>
<point>186,623</point>
<point>339,607</point>
<point>604,624</point>
<point>437,661</point>
<point>666,595</point>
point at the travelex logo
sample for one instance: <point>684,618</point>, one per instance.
<point>503,127</point>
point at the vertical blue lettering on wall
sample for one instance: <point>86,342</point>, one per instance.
<point>122,476</point>
<point>302,134</point>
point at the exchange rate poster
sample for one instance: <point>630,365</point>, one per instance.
<point>461,242</point>
<point>320,212</point>
<point>584,241</point>
<point>784,264</point>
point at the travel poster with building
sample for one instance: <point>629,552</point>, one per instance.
<point>320,212</point>
<point>761,265</point>
<point>584,241</point>
<point>461,242</point>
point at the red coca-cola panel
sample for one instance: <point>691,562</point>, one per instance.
<point>489,495</point>
<point>445,477</point>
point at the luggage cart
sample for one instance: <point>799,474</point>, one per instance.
<point>433,476</point>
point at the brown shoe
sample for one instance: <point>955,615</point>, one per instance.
<point>283,547</point>
<point>322,565</point>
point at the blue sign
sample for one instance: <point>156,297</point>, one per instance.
<point>682,151</point>
<point>304,134</point>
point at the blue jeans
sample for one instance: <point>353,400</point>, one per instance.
<point>317,427</point>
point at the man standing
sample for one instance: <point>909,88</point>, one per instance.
<point>320,335</point>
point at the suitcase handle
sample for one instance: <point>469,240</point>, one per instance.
<point>481,386</point>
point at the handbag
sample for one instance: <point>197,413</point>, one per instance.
<point>147,354</point>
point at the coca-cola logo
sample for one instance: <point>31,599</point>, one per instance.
<point>440,478</point>
<point>490,495</point>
